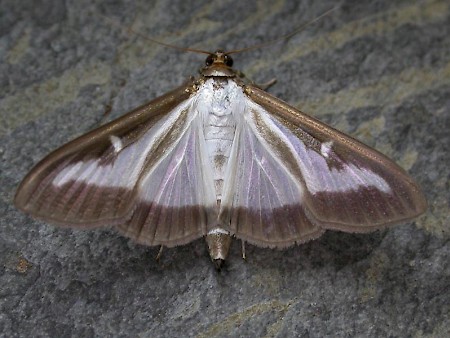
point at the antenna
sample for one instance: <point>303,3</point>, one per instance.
<point>235,51</point>
<point>285,37</point>
<point>142,36</point>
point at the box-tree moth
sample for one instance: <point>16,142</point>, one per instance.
<point>219,157</point>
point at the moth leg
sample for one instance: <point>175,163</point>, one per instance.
<point>105,115</point>
<point>263,86</point>
<point>158,256</point>
<point>266,85</point>
<point>244,257</point>
<point>104,118</point>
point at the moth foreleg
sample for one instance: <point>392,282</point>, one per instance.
<point>158,256</point>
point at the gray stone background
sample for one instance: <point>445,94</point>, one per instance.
<point>378,70</point>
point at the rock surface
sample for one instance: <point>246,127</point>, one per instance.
<point>379,71</point>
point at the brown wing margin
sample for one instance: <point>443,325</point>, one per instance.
<point>66,205</point>
<point>359,210</point>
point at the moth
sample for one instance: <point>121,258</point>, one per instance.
<point>219,158</point>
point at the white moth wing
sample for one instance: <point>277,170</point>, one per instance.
<point>144,173</point>
<point>288,182</point>
<point>177,202</point>
<point>263,194</point>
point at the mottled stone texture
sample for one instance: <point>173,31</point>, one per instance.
<point>379,70</point>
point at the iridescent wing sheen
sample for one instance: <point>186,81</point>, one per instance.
<point>292,177</point>
<point>142,173</point>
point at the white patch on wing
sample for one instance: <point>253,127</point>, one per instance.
<point>325,148</point>
<point>116,142</point>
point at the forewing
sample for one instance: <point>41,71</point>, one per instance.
<point>177,202</point>
<point>306,177</point>
<point>262,198</point>
<point>112,175</point>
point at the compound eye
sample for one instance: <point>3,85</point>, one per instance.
<point>228,61</point>
<point>209,60</point>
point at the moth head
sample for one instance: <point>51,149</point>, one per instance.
<point>218,63</point>
<point>219,57</point>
